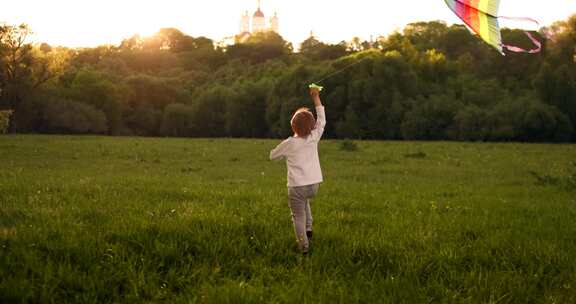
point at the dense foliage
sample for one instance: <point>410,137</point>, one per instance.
<point>429,82</point>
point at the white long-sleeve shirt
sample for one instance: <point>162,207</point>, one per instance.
<point>301,154</point>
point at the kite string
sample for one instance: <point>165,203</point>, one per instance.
<point>349,66</point>
<point>340,70</point>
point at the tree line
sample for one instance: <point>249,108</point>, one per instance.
<point>429,81</point>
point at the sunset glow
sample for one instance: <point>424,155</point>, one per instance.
<point>91,23</point>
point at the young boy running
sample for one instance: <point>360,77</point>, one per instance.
<point>303,164</point>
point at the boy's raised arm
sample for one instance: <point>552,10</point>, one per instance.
<point>320,114</point>
<point>315,94</point>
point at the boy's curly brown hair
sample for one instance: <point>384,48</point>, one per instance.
<point>303,122</point>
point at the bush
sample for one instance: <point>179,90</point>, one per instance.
<point>4,121</point>
<point>178,120</point>
<point>144,120</point>
<point>567,182</point>
<point>571,179</point>
<point>417,155</point>
<point>527,119</point>
<point>543,122</point>
<point>65,116</point>
<point>545,179</point>
<point>349,146</point>
<point>470,123</point>
<point>505,120</point>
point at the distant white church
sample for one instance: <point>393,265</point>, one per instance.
<point>258,24</point>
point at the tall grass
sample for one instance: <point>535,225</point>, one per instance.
<point>97,220</point>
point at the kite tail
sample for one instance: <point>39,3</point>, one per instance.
<point>515,49</point>
<point>521,19</point>
<point>537,44</point>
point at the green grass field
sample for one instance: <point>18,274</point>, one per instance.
<point>134,220</point>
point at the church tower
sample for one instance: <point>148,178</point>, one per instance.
<point>258,21</point>
<point>245,23</point>
<point>274,23</point>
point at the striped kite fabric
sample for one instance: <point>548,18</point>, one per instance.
<point>482,17</point>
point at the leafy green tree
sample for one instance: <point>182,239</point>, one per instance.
<point>433,66</point>
<point>209,112</point>
<point>557,87</point>
<point>561,47</point>
<point>92,56</point>
<point>174,40</point>
<point>545,123</point>
<point>158,92</point>
<point>393,71</point>
<point>246,110</point>
<point>425,35</point>
<point>430,118</point>
<point>203,59</point>
<point>357,45</point>
<point>316,50</point>
<point>93,88</point>
<point>384,118</point>
<point>22,69</point>
<point>483,93</point>
<point>309,45</point>
<point>134,43</point>
<point>457,42</point>
<point>261,47</point>
<point>351,126</point>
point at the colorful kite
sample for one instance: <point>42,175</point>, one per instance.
<point>482,17</point>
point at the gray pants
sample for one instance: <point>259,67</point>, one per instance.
<point>299,202</point>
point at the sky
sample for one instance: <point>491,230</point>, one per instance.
<point>88,23</point>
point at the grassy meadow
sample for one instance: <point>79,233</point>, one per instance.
<point>146,220</point>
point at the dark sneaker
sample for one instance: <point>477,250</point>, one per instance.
<point>309,235</point>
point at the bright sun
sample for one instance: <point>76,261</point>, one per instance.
<point>106,23</point>
<point>125,20</point>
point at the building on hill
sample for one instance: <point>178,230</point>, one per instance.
<point>258,21</point>
<point>257,24</point>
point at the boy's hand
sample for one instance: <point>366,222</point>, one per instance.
<point>315,94</point>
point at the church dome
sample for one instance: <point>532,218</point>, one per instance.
<point>258,14</point>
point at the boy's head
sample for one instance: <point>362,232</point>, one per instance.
<point>302,122</point>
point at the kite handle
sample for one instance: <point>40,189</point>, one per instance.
<point>314,86</point>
